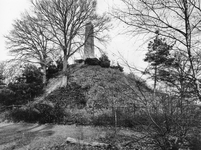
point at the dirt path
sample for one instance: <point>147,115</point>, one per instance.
<point>23,136</point>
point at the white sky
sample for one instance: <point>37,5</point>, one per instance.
<point>9,10</point>
<point>128,47</point>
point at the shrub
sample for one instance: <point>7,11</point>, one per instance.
<point>123,120</point>
<point>194,140</point>
<point>24,92</point>
<point>126,120</point>
<point>92,61</point>
<point>53,69</point>
<point>27,86</point>
<point>7,97</point>
<point>79,61</point>
<point>104,61</point>
<point>23,114</point>
<point>40,112</point>
<point>52,109</point>
<point>81,117</point>
<point>105,64</point>
<point>103,120</point>
<point>118,67</point>
<point>30,74</point>
<point>50,114</point>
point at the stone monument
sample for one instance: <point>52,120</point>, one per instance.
<point>89,41</point>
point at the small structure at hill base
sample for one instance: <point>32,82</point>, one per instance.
<point>89,41</point>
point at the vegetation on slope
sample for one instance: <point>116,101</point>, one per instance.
<point>108,97</point>
<point>94,95</point>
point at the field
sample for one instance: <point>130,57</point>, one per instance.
<point>24,136</point>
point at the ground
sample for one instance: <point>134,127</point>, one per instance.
<point>25,136</point>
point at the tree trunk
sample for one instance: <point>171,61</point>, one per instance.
<point>65,71</point>
<point>155,80</point>
<point>64,81</point>
<point>65,63</point>
<point>115,118</point>
<point>44,75</point>
<point>155,73</point>
<point>154,94</point>
<point>188,46</point>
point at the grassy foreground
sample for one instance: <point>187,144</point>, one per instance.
<point>24,136</point>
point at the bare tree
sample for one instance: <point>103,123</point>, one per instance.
<point>29,42</point>
<point>177,20</point>
<point>66,21</point>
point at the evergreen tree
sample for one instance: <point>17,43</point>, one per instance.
<point>158,56</point>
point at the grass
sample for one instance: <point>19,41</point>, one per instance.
<point>17,136</point>
<point>23,136</point>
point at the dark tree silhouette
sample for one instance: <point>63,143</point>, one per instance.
<point>66,21</point>
<point>177,20</point>
<point>29,42</point>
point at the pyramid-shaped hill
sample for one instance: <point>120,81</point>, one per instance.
<point>94,86</point>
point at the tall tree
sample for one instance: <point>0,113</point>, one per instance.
<point>157,55</point>
<point>29,42</point>
<point>66,21</point>
<point>178,20</point>
<point>167,67</point>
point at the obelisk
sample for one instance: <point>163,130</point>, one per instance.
<point>89,41</point>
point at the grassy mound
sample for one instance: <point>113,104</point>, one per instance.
<point>93,95</point>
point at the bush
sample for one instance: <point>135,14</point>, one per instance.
<point>104,61</point>
<point>7,97</point>
<point>50,114</point>
<point>123,119</point>
<point>23,114</point>
<point>25,88</point>
<point>79,61</point>
<point>41,113</point>
<point>103,120</point>
<point>105,64</point>
<point>52,109</point>
<point>24,92</point>
<point>194,140</point>
<point>30,74</point>
<point>126,120</point>
<point>118,67</point>
<point>53,69</point>
<point>81,117</point>
<point>92,61</point>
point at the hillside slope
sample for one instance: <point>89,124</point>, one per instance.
<point>91,95</point>
<point>101,87</point>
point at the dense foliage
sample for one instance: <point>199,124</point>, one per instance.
<point>53,68</point>
<point>25,88</point>
<point>104,61</point>
<point>93,93</point>
<point>103,97</point>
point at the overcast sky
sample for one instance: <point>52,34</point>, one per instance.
<point>130,48</point>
